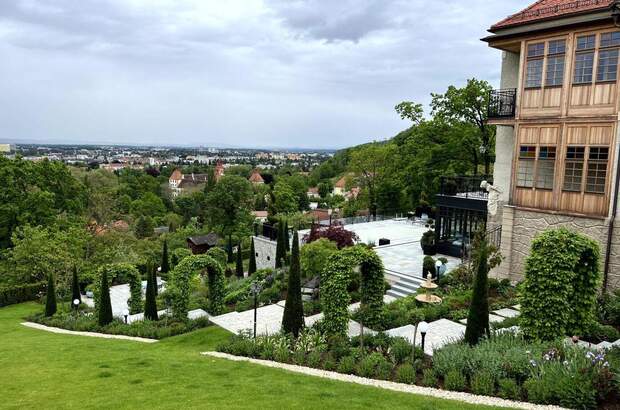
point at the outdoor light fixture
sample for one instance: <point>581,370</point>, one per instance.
<point>438,269</point>
<point>423,326</point>
<point>329,212</point>
<point>76,303</point>
<point>255,289</point>
<point>125,314</point>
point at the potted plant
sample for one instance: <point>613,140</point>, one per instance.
<point>428,243</point>
<point>428,266</point>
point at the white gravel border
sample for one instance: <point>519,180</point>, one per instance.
<point>406,388</point>
<point>90,334</point>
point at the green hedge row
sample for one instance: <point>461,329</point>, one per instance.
<point>11,295</point>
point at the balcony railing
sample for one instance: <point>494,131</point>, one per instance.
<point>502,103</point>
<point>464,187</point>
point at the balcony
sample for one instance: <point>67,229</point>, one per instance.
<point>502,104</point>
<point>463,192</point>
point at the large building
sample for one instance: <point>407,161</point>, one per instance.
<point>557,128</point>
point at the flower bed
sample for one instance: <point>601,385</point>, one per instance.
<point>144,328</point>
<point>505,366</point>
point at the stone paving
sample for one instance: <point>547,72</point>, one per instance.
<point>507,312</point>
<point>492,319</point>
<point>119,295</point>
<point>407,258</point>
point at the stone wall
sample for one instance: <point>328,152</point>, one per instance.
<point>519,227</point>
<point>265,253</point>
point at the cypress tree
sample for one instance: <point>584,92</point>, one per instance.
<point>154,283</point>
<point>239,267</point>
<point>229,250</point>
<point>50,302</point>
<point>165,265</point>
<point>287,240</point>
<point>293,319</point>
<point>75,287</point>
<point>252,267</point>
<point>279,245</point>
<point>150,303</point>
<point>478,318</point>
<point>105,305</point>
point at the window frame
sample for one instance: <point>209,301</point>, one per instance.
<point>594,49</point>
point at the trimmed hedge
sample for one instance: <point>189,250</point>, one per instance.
<point>10,295</point>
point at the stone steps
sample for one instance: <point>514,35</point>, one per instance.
<point>406,285</point>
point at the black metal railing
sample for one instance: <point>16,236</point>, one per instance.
<point>468,187</point>
<point>502,103</point>
<point>493,237</point>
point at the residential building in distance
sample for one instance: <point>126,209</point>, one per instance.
<point>256,178</point>
<point>557,129</point>
<point>178,182</point>
<point>7,148</point>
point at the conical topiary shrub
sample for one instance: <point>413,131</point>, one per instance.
<point>150,302</point>
<point>280,251</point>
<point>293,319</point>
<point>105,305</point>
<point>239,265</point>
<point>75,287</point>
<point>229,250</point>
<point>50,300</point>
<point>252,266</point>
<point>478,318</point>
<point>165,264</point>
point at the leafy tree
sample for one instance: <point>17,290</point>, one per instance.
<point>210,180</point>
<point>75,286</point>
<point>105,304</point>
<point>252,266</point>
<point>144,227</point>
<point>478,318</point>
<point>150,302</point>
<point>467,105</point>
<point>314,256</point>
<point>411,111</point>
<point>371,163</point>
<point>165,264</point>
<point>335,232</point>
<point>325,188</point>
<point>50,300</point>
<point>239,264</point>
<point>286,202</point>
<point>293,319</point>
<point>149,204</point>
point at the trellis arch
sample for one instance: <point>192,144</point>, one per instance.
<point>180,284</point>
<point>335,279</point>
<point>132,274</point>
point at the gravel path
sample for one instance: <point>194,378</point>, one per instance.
<point>90,334</point>
<point>406,388</point>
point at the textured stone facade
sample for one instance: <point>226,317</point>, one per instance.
<point>520,226</point>
<point>265,253</point>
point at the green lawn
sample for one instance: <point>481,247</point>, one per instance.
<point>45,370</point>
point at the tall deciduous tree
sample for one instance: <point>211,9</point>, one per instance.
<point>370,163</point>
<point>105,304</point>
<point>252,266</point>
<point>293,319</point>
<point>50,299</point>
<point>239,264</point>
<point>478,318</point>
<point>144,227</point>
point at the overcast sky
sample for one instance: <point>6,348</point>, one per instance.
<point>248,73</point>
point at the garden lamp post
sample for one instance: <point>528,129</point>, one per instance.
<point>329,212</point>
<point>76,304</point>
<point>255,289</point>
<point>438,269</point>
<point>423,326</point>
<point>125,314</point>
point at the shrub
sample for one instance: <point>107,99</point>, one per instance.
<point>538,391</point>
<point>252,265</point>
<point>314,359</point>
<point>366,366</point>
<point>282,354</point>
<point>401,350</point>
<point>239,261</point>
<point>405,374</point>
<point>330,362</point>
<point>150,302</point>
<point>75,287</point>
<point>335,233</point>
<point>346,365</point>
<point>339,346</point>
<point>50,297</point>
<point>455,380</point>
<point>383,368</point>
<point>483,383</point>
<point>165,260</point>
<point>508,389</point>
<point>478,318</point>
<point>105,305</point>
<point>299,357</point>
<point>293,318</point>
<point>429,379</point>
<point>598,332</point>
<point>21,293</point>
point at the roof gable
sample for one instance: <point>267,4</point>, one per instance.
<point>549,9</point>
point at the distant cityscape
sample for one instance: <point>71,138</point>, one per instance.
<point>116,157</point>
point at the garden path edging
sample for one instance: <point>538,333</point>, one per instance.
<point>388,385</point>
<point>89,334</point>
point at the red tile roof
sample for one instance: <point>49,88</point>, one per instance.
<point>548,9</point>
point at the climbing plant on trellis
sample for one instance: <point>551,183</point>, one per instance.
<point>561,282</point>
<point>126,272</point>
<point>335,278</point>
<point>179,288</point>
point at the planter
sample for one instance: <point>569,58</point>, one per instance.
<point>429,250</point>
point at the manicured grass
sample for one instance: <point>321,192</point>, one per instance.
<point>39,369</point>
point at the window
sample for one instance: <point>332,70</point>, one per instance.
<point>525,173</point>
<point>597,170</point>
<point>607,65</point>
<point>610,39</point>
<point>536,50</point>
<point>573,170</point>
<point>555,70</point>
<point>546,168</point>
<point>557,47</point>
<point>584,63</point>
<point>586,42</point>
<point>534,73</point>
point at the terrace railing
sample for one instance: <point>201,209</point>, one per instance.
<point>502,103</point>
<point>467,187</point>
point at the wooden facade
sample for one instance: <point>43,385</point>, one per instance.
<point>565,124</point>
